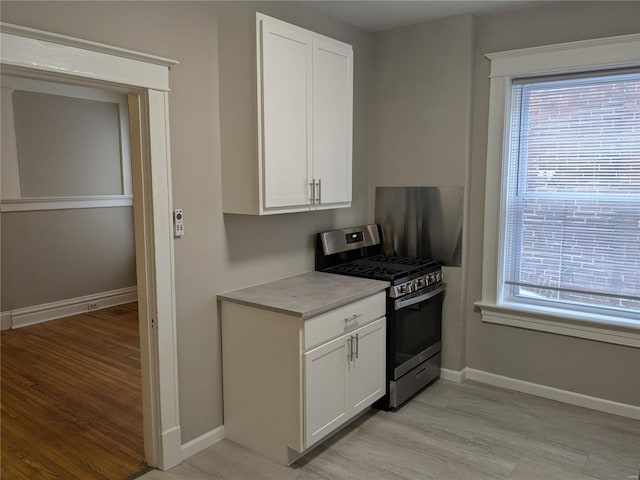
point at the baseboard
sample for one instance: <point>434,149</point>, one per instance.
<point>552,393</point>
<point>203,441</point>
<point>457,376</point>
<point>5,320</point>
<point>22,317</point>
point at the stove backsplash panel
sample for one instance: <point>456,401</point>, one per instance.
<point>421,222</point>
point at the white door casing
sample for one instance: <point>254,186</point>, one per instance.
<point>48,56</point>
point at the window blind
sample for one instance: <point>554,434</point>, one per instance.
<point>572,193</point>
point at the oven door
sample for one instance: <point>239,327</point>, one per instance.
<point>417,330</point>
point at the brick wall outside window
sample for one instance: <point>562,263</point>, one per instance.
<point>578,192</point>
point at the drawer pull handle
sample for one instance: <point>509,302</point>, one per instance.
<point>352,318</point>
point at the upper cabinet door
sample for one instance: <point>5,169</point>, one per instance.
<point>286,114</point>
<point>332,119</point>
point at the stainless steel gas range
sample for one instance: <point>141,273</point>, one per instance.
<point>414,305</point>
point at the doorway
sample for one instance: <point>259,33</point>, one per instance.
<point>71,380</point>
<point>144,79</point>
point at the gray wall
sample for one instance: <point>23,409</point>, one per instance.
<point>53,255</point>
<point>218,253</point>
<point>430,107</point>
<point>221,253</point>
<point>421,128</point>
<point>591,368</point>
<point>66,147</point>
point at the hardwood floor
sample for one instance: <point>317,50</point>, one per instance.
<point>71,404</point>
<point>449,432</point>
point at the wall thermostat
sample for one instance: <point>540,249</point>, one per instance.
<point>178,222</point>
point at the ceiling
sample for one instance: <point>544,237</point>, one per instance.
<point>375,16</point>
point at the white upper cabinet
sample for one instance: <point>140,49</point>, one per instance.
<point>304,125</point>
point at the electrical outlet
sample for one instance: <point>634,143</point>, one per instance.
<point>92,306</point>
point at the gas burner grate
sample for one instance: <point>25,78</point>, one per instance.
<point>381,267</point>
<point>402,260</point>
<point>369,271</point>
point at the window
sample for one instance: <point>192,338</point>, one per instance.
<point>561,250</point>
<point>572,194</point>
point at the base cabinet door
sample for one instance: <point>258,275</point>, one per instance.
<point>367,368</point>
<point>326,389</point>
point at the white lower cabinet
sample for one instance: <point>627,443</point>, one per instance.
<point>288,383</point>
<point>342,378</point>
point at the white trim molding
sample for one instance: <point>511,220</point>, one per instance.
<point>597,54</point>
<point>27,48</point>
<point>202,442</point>
<point>588,55</point>
<point>565,396</point>
<point>603,330</point>
<point>23,317</point>
<point>65,203</point>
<point>457,376</point>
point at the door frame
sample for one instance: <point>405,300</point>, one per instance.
<point>145,79</point>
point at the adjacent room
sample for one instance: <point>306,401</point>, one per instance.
<point>373,239</point>
<point>71,375</point>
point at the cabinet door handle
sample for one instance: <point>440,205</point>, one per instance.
<point>350,349</point>
<point>313,191</point>
<point>319,190</point>
<point>357,344</point>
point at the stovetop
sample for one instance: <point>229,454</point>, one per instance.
<point>390,268</point>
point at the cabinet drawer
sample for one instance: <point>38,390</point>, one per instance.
<point>342,320</point>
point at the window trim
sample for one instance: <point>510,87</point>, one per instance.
<point>574,57</point>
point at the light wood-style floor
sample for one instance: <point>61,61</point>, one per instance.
<point>71,404</point>
<point>449,432</point>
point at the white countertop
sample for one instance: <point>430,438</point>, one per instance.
<point>306,295</point>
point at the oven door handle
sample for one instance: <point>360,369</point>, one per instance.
<point>421,298</point>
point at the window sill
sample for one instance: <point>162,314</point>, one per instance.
<point>592,327</point>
